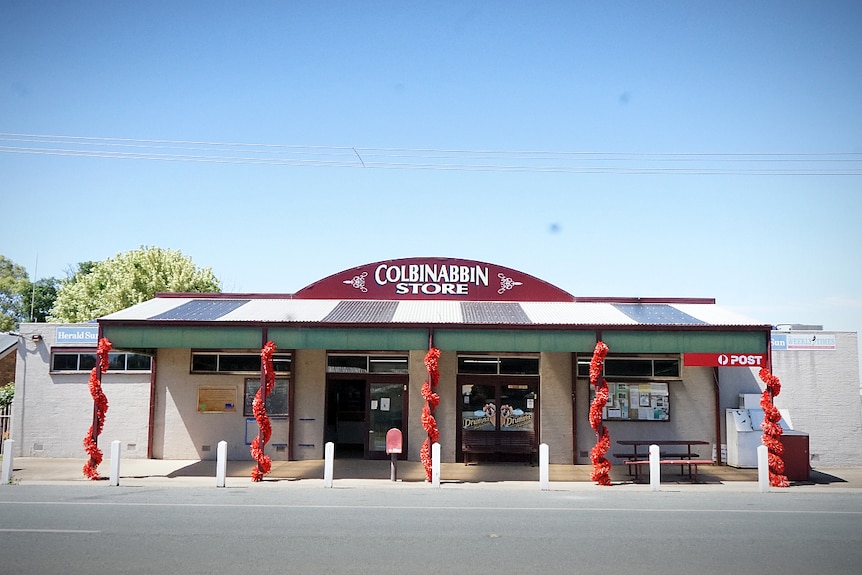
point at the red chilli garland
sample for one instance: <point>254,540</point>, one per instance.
<point>432,400</point>
<point>100,408</point>
<point>601,466</point>
<point>258,406</point>
<point>772,431</point>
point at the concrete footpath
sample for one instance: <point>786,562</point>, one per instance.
<point>363,473</point>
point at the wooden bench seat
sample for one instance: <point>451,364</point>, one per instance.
<point>494,442</point>
<point>692,464</point>
<point>662,455</point>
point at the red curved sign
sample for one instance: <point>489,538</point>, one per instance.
<point>433,279</point>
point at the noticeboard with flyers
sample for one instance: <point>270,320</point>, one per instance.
<point>636,401</point>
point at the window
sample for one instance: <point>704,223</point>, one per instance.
<point>637,386</point>
<point>515,403</point>
<point>366,363</point>
<point>633,367</point>
<point>493,365</point>
<point>633,401</point>
<point>276,402</point>
<point>236,362</point>
<point>85,361</point>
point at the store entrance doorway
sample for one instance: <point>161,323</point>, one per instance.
<point>359,412</point>
<point>498,408</point>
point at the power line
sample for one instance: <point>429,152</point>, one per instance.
<point>528,161</point>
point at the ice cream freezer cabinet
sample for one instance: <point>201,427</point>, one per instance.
<point>744,437</point>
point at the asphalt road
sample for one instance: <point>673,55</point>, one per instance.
<point>71,529</point>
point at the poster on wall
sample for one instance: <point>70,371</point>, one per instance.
<point>636,402</point>
<point>216,399</point>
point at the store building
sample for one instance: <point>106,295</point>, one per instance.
<point>515,352</point>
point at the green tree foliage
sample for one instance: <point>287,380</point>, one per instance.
<point>41,299</point>
<point>7,392</point>
<point>14,285</point>
<point>128,279</point>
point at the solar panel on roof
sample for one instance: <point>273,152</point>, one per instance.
<point>657,314</point>
<point>362,312</point>
<point>202,310</point>
<point>493,312</point>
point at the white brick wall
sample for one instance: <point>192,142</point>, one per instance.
<point>195,435</point>
<point>52,413</point>
<point>309,403</point>
<point>555,399</point>
<point>820,390</point>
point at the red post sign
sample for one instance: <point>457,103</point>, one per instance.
<point>724,359</point>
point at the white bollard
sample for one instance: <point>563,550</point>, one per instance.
<point>435,465</point>
<point>544,474</point>
<point>329,456</point>
<point>8,448</point>
<point>763,468</point>
<point>654,468</point>
<point>115,463</point>
<point>221,463</point>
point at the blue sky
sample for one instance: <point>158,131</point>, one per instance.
<point>695,149</point>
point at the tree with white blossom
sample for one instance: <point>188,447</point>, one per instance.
<point>128,279</point>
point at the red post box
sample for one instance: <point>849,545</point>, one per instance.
<point>393,441</point>
<point>393,448</point>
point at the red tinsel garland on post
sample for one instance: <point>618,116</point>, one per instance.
<point>772,431</point>
<point>432,400</point>
<point>100,408</point>
<point>264,462</point>
<point>601,466</point>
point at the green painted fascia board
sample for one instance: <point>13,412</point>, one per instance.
<point>136,337</point>
<point>686,341</point>
<point>514,340</point>
<point>214,337</point>
<point>344,339</point>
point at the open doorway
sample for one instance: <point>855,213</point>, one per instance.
<point>345,416</point>
<point>360,410</point>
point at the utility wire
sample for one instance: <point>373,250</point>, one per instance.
<point>529,161</point>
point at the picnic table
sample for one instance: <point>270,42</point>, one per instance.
<point>635,459</point>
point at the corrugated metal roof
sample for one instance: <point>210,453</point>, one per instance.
<point>480,312</point>
<point>428,312</point>
<point>358,311</point>
<point>282,310</point>
<point>148,309</point>
<point>201,310</point>
<point>7,343</point>
<point>565,313</point>
<point>286,310</point>
<point>657,314</point>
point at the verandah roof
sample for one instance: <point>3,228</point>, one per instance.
<point>226,308</point>
<point>242,320</point>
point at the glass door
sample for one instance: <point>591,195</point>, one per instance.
<point>493,410</point>
<point>386,410</point>
<point>479,412</point>
<point>518,407</point>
